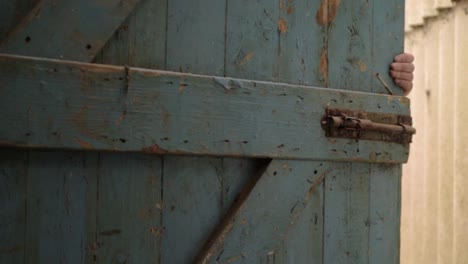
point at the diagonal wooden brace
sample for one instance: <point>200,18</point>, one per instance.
<point>67,29</point>
<point>267,210</point>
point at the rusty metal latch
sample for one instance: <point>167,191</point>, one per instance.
<point>369,126</point>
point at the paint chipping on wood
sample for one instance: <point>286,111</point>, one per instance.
<point>289,10</point>
<point>153,149</point>
<point>121,118</point>
<point>358,64</point>
<point>84,144</point>
<point>362,66</point>
<point>246,58</point>
<point>317,181</point>
<point>327,12</point>
<point>156,231</point>
<point>110,232</point>
<point>282,25</point>
<point>324,65</point>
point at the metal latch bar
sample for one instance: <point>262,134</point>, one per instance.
<point>368,126</point>
<point>338,122</point>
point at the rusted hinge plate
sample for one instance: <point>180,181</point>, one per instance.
<point>341,123</point>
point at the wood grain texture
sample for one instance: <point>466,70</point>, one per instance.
<point>59,214</point>
<point>349,45</point>
<point>301,42</point>
<point>192,191</point>
<point>13,163</point>
<point>67,29</point>
<point>301,45</point>
<point>385,211</point>
<point>141,39</point>
<point>304,243</point>
<point>77,106</point>
<point>384,214</point>
<point>129,226</point>
<point>196,36</point>
<point>13,197</point>
<point>11,13</point>
<point>270,211</point>
<point>352,63</point>
<point>130,204</point>
<point>346,219</point>
<point>252,40</point>
<point>88,106</point>
<point>387,41</point>
<point>193,186</point>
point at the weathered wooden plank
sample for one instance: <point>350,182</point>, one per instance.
<point>75,105</point>
<point>350,45</point>
<point>195,44</point>
<point>384,210</point>
<point>198,191</point>
<point>67,29</point>
<point>192,191</point>
<point>129,208</point>
<point>13,164</point>
<point>13,178</point>
<point>11,12</point>
<point>252,40</point>
<point>196,36</point>
<point>267,214</point>
<point>387,41</point>
<point>304,244</point>
<point>301,46</point>
<point>209,187</point>
<point>251,52</point>
<point>136,188</point>
<point>386,38</point>
<point>301,43</point>
<point>346,220</point>
<point>236,173</point>
<point>384,214</point>
<point>61,207</point>
<point>141,40</point>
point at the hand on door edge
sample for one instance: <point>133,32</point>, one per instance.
<point>402,70</point>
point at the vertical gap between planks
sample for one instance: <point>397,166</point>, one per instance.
<point>98,174</point>
<point>370,173</point>
<point>348,206</point>
<point>161,207</point>
<point>325,83</point>
<point>372,86</point>
<point>225,36</point>
<point>220,175</point>
<point>325,46</point>
<point>166,40</point>
<point>323,217</point>
<point>278,48</point>
<point>161,214</point>
<point>26,189</point>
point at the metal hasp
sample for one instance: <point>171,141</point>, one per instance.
<point>368,126</point>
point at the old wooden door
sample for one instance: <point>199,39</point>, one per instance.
<point>222,157</point>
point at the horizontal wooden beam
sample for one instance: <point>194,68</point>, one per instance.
<point>59,104</point>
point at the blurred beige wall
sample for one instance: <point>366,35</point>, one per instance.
<point>434,224</point>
